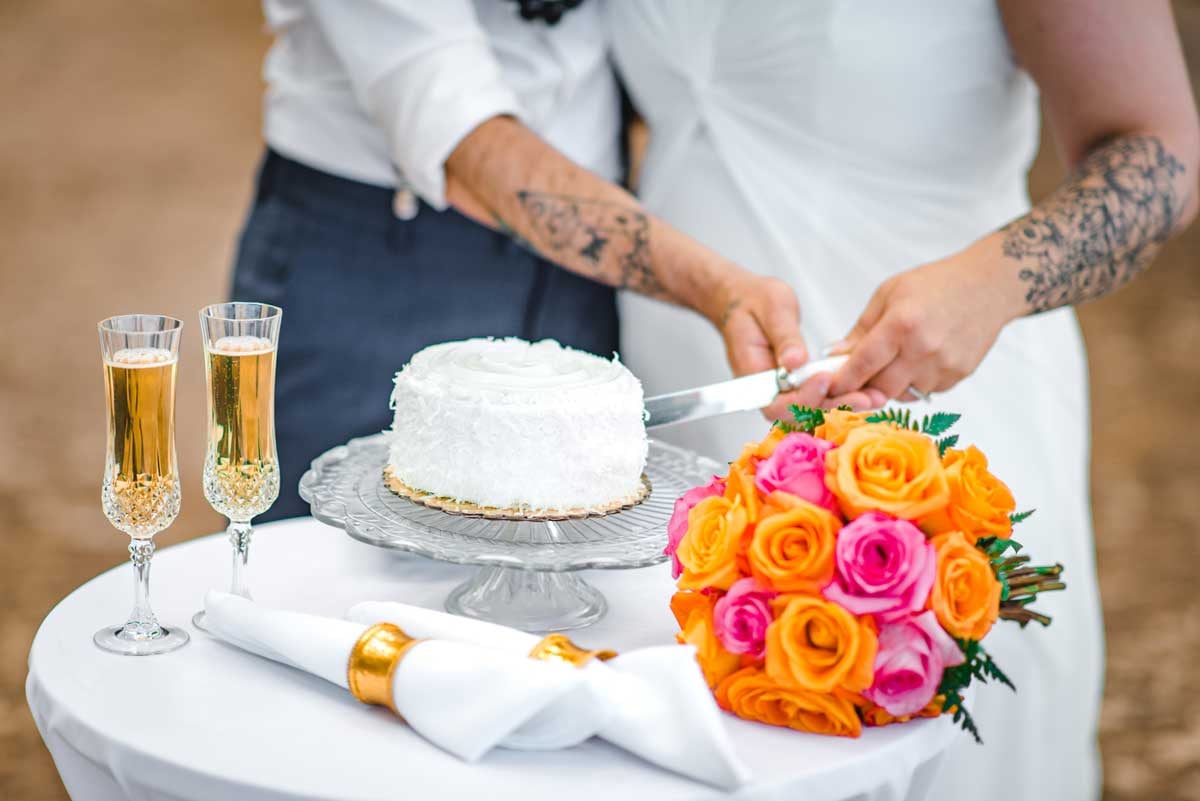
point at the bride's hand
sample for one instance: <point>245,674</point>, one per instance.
<point>759,318</point>
<point>927,328</point>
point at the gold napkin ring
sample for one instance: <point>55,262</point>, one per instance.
<point>373,663</point>
<point>559,648</point>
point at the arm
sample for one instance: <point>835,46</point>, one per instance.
<point>1122,113</point>
<point>503,175</point>
<point>1119,105</point>
<point>426,75</point>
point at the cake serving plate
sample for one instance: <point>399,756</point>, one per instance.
<point>526,577</point>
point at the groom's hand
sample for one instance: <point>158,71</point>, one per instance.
<point>759,318</point>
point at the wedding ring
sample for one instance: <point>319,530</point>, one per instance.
<point>559,648</point>
<point>373,662</point>
<point>918,394</point>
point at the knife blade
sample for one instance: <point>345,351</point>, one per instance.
<point>738,395</point>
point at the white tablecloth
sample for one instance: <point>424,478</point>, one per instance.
<point>212,722</point>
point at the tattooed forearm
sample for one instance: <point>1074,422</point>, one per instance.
<point>610,239</point>
<point>1101,228</point>
<point>506,229</point>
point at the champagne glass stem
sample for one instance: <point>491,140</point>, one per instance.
<point>239,536</point>
<point>142,622</point>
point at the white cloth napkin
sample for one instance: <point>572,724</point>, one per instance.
<point>464,698</point>
<point>652,702</point>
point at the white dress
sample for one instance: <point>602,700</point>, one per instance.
<point>834,144</point>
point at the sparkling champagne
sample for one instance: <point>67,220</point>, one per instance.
<point>140,492</point>
<point>241,474</point>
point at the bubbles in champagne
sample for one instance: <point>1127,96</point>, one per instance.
<point>140,492</point>
<point>242,345</point>
<point>241,477</point>
<point>142,357</point>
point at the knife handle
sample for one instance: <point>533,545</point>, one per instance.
<point>789,380</point>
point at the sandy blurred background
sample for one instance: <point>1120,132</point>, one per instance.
<point>128,141</point>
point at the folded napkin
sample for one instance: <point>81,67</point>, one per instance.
<point>464,698</point>
<point>652,702</point>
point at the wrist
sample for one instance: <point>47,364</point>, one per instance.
<point>1003,289</point>
<point>719,293</point>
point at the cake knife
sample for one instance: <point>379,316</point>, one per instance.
<point>738,395</point>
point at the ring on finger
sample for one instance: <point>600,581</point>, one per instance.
<point>918,394</point>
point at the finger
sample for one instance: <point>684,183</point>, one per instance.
<point>746,346</point>
<point>782,327</point>
<point>875,352</point>
<point>866,321</point>
<point>897,377</point>
<point>811,393</point>
<point>863,401</point>
<point>876,398</point>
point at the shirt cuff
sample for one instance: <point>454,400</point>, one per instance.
<point>428,105</point>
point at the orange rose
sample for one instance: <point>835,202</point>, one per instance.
<point>966,593</point>
<point>754,451</point>
<point>740,486</point>
<point>979,504</point>
<point>708,551</point>
<point>697,630</point>
<point>792,548</point>
<point>886,469</point>
<point>684,602</point>
<point>838,424</point>
<point>817,645</point>
<point>878,716</point>
<point>753,695</point>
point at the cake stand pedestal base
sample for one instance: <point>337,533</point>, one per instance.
<point>528,569</point>
<point>530,600</point>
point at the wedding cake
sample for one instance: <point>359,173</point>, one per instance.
<point>514,425</point>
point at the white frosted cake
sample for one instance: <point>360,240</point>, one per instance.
<point>516,425</point>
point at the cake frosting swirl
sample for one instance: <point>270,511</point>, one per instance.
<point>517,425</point>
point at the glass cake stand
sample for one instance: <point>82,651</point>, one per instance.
<point>526,577</point>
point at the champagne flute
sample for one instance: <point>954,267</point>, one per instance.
<point>241,468</point>
<point>140,492</point>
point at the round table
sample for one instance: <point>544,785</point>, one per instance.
<point>210,721</point>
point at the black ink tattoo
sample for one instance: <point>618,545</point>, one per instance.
<point>1101,228</point>
<point>594,249</point>
<point>589,229</point>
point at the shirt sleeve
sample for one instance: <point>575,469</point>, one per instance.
<point>424,72</point>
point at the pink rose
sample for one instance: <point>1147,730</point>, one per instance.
<point>913,653</point>
<point>885,567</point>
<point>741,617</point>
<point>678,525</point>
<point>797,467</point>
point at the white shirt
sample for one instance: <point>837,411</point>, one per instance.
<point>382,91</point>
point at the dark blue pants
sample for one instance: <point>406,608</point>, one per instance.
<point>362,291</point>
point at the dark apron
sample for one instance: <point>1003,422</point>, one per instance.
<point>362,291</point>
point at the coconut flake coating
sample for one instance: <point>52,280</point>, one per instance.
<point>514,424</point>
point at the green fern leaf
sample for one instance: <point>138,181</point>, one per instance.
<point>946,443</point>
<point>1020,517</point>
<point>938,423</point>
<point>898,417</point>
<point>993,670</point>
<point>806,417</point>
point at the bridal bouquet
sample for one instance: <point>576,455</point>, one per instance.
<point>846,570</point>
